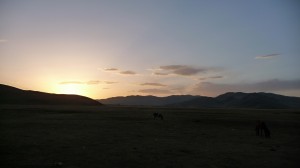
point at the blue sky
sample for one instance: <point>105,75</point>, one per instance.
<point>116,48</point>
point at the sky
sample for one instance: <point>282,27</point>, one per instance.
<point>108,48</point>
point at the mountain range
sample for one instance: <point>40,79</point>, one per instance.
<point>261,100</point>
<point>228,100</point>
<point>12,95</point>
<point>147,100</point>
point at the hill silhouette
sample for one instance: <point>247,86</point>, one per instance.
<point>245,100</point>
<point>12,95</point>
<point>147,100</point>
<point>228,100</point>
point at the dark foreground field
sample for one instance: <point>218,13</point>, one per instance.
<point>89,137</point>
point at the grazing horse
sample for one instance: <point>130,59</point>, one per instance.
<point>266,130</point>
<point>158,115</point>
<point>261,128</point>
<point>258,128</point>
<point>155,115</point>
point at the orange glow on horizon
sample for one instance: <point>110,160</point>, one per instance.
<point>93,92</point>
<point>71,89</point>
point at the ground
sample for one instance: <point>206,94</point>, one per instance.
<point>129,137</point>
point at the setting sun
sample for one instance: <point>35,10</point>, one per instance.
<point>132,83</point>
<point>103,49</point>
<point>71,89</point>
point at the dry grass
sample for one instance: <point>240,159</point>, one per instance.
<point>88,137</point>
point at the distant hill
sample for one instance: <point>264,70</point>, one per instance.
<point>12,95</point>
<point>244,100</point>
<point>227,100</point>
<point>147,100</point>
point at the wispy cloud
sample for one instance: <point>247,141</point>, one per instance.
<point>153,84</point>
<point>269,56</point>
<point>127,72</point>
<point>71,82</point>
<point>208,88</point>
<point>182,70</point>
<point>172,67</point>
<point>90,82</point>
<point>160,74</point>
<point>111,69</point>
<point>155,91</point>
<point>93,82</point>
<point>120,72</point>
<point>109,82</point>
<point>211,77</point>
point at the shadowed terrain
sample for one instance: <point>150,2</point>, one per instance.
<point>228,100</point>
<point>12,95</point>
<point>104,136</point>
<point>147,100</point>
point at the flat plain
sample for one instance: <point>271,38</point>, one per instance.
<point>112,136</point>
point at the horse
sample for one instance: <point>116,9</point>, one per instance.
<point>158,115</point>
<point>265,129</point>
<point>261,128</point>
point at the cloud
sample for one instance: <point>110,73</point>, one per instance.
<point>183,70</point>
<point>159,73</point>
<point>153,84</point>
<point>111,69</point>
<point>155,91</point>
<point>127,72</point>
<point>93,82</point>
<point>211,77</point>
<point>172,67</point>
<point>109,82</point>
<point>98,82</point>
<point>208,88</point>
<point>118,71</point>
<point>269,56</point>
<point>71,82</point>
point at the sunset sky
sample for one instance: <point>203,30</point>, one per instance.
<point>106,48</point>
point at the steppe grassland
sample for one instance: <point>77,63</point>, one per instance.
<point>122,136</point>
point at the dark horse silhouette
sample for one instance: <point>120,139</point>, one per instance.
<point>158,115</point>
<point>262,129</point>
<point>258,128</point>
